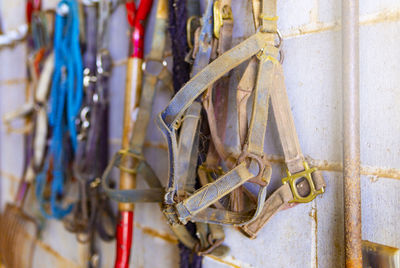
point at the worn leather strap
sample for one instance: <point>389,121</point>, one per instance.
<point>292,152</point>
<point>155,194</point>
<point>279,200</point>
<point>169,118</point>
<point>188,150</point>
<point>203,198</point>
<point>132,160</point>
<point>196,207</point>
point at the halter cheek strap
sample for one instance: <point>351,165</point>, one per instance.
<point>131,160</point>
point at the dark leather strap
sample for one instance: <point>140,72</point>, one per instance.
<point>93,212</point>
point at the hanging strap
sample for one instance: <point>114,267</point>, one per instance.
<point>66,99</point>
<point>171,116</point>
<point>196,207</point>
<point>93,213</point>
<point>133,156</point>
<point>291,191</point>
<point>302,184</point>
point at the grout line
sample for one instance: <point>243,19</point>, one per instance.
<point>324,165</point>
<point>9,176</point>
<point>319,27</point>
<point>120,62</point>
<point>12,82</point>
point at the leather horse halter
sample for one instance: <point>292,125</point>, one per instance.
<point>131,160</point>
<point>251,164</point>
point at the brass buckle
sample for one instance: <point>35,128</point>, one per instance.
<point>307,174</point>
<point>191,25</point>
<point>127,153</point>
<point>221,14</point>
<point>210,171</point>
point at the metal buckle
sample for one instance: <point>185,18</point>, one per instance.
<point>192,24</point>
<point>221,14</point>
<point>88,78</point>
<point>293,178</point>
<point>154,67</point>
<point>212,174</point>
<point>127,153</point>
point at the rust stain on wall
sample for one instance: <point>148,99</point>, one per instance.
<point>385,16</point>
<point>223,261</point>
<point>12,82</point>
<point>120,62</point>
<point>155,233</point>
<point>9,176</point>
<point>159,145</point>
<point>173,240</point>
<point>314,215</point>
<point>62,262</point>
<point>324,165</point>
<point>319,27</point>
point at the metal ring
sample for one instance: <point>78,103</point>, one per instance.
<point>280,38</point>
<point>157,72</point>
<point>261,165</point>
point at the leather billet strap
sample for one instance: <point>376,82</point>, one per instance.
<point>131,160</point>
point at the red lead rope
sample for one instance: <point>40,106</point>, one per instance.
<point>136,19</point>
<point>31,7</point>
<point>124,239</point>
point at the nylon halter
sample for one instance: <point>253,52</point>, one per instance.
<point>65,103</point>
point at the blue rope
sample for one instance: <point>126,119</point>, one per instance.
<point>65,103</point>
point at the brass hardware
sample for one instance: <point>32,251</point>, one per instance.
<point>192,22</point>
<point>221,14</point>
<point>307,174</point>
<point>210,171</point>
<point>125,153</point>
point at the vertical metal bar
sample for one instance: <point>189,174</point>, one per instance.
<point>351,128</point>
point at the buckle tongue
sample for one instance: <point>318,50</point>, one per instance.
<point>307,174</point>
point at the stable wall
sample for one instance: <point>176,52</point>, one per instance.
<point>309,235</point>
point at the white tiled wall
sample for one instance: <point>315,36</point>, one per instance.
<point>308,235</point>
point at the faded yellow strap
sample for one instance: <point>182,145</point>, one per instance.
<point>268,16</point>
